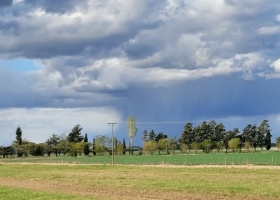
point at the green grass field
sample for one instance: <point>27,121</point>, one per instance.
<point>255,158</point>
<point>64,181</point>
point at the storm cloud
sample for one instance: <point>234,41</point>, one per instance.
<point>5,3</point>
<point>157,60</point>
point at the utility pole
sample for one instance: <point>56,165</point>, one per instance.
<point>112,125</point>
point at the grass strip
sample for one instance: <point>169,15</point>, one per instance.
<point>12,193</point>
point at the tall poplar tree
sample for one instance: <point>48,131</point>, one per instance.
<point>132,130</point>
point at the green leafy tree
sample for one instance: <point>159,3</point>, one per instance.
<point>172,144</point>
<point>75,135</point>
<point>76,149</point>
<point>64,147</point>
<point>39,150</point>
<point>219,133</point>
<point>72,150</point>
<point>99,149</point>
<point>132,130</point>
<point>219,146</point>
<point>159,137</point>
<point>264,138</point>
<point>228,136</point>
<point>187,137</point>
<point>206,145</point>
<point>184,148</point>
<point>1,150</point>
<point>152,135</point>
<point>234,144</point>
<point>211,131</point>
<point>62,137</point>
<point>247,133</point>
<point>251,134</point>
<point>194,146</point>
<point>101,143</point>
<point>278,142</point>
<point>80,146</point>
<point>145,136</point>
<point>255,137</point>
<point>34,149</point>
<point>8,151</point>
<point>247,146</point>
<point>204,132</point>
<point>150,146</point>
<point>53,142</point>
<point>196,133</point>
<point>119,149</point>
<point>162,144</point>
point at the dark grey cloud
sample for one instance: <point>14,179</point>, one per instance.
<point>6,3</point>
<point>156,60</point>
<point>69,39</point>
<point>52,6</point>
<point>160,28</point>
<point>210,98</point>
<point>130,54</point>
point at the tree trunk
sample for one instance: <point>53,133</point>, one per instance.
<point>131,146</point>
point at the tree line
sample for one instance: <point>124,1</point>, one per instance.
<point>209,136</point>
<point>73,144</point>
<point>205,137</point>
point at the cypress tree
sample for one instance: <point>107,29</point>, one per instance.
<point>19,136</point>
<point>86,145</point>
<point>86,138</point>
<point>124,146</point>
<point>268,141</point>
<point>93,147</point>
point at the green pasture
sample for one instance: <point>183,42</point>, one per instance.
<point>252,158</point>
<point>26,194</point>
<point>28,181</point>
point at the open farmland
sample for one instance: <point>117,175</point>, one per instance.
<point>252,158</point>
<point>66,181</point>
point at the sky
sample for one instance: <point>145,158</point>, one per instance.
<point>165,62</point>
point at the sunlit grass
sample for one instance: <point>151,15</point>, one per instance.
<point>163,179</point>
<point>25,194</point>
<point>255,158</point>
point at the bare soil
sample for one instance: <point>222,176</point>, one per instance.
<point>166,165</point>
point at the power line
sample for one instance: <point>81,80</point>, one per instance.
<point>204,119</point>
